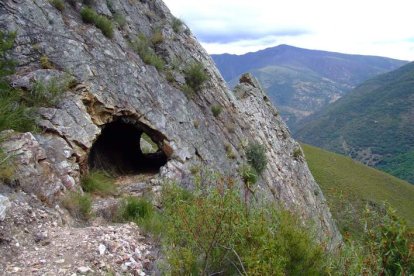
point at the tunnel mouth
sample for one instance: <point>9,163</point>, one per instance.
<point>125,147</point>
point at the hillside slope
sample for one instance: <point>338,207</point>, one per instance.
<point>301,81</point>
<point>373,124</point>
<point>348,186</point>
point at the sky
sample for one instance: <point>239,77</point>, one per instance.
<point>368,27</point>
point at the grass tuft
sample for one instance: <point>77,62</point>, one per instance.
<point>195,76</point>
<point>105,25</point>
<point>133,209</point>
<point>98,183</point>
<point>216,110</point>
<point>157,37</point>
<point>90,16</point>
<point>143,48</point>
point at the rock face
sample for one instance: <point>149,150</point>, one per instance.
<point>115,86</point>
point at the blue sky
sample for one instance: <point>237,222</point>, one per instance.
<point>381,27</point>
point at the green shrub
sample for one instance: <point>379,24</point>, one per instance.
<point>58,4</point>
<point>142,212</point>
<point>389,242</point>
<point>216,110</point>
<point>88,15</point>
<point>17,107</point>
<point>144,49</point>
<point>387,247</point>
<point>105,25</point>
<point>256,156</point>
<point>133,209</point>
<point>14,114</point>
<point>7,65</point>
<point>195,76</point>
<point>249,175</point>
<point>214,231</point>
<point>177,25</point>
<point>99,183</point>
<point>79,205</point>
<point>297,153</point>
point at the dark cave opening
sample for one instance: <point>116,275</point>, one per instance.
<point>119,150</point>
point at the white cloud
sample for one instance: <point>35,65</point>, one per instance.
<point>375,27</point>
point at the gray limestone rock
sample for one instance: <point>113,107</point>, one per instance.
<point>44,166</point>
<point>116,87</point>
<point>4,205</point>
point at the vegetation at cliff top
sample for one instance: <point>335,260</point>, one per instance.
<point>349,185</point>
<point>177,25</point>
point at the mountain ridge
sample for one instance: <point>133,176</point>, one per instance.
<point>301,81</point>
<point>373,124</point>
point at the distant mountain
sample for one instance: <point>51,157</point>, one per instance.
<point>373,124</point>
<point>349,185</point>
<point>300,81</point>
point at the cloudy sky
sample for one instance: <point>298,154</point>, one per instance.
<point>371,27</point>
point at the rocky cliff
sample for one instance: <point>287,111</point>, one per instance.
<point>116,96</point>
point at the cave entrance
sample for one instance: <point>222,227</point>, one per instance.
<point>125,148</point>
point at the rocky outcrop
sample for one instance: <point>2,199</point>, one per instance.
<point>44,165</point>
<point>113,84</point>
